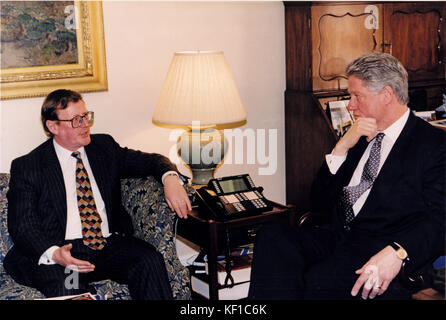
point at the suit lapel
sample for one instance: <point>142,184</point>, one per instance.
<point>52,173</point>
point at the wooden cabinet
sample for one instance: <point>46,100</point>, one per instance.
<point>340,34</point>
<point>414,33</point>
<point>321,40</point>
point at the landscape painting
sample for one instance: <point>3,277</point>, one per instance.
<point>38,33</point>
<point>48,45</point>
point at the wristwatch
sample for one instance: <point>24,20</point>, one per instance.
<point>400,252</point>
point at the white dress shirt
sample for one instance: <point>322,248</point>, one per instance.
<point>74,226</point>
<point>68,165</point>
<point>391,135</point>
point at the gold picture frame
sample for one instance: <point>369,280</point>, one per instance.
<point>87,75</point>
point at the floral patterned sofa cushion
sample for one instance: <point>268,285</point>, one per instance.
<point>153,222</point>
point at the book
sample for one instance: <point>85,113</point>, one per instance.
<point>236,292</point>
<point>341,118</point>
<point>240,269</point>
<point>187,252</point>
<point>239,251</point>
<point>425,115</point>
<point>82,296</point>
<point>439,123</point>
<point>201,258</point>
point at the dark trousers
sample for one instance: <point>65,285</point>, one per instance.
<point>298,263</point>
<point>126,260</point>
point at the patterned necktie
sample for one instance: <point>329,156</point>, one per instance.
<point>350,194</point>
<point>90,219</point>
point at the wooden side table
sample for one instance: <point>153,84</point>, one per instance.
<point>211,235</point>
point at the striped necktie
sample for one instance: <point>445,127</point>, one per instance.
<point>90,219</point>
<point>350,194</point>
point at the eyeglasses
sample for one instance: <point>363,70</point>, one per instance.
<point>76,122</point>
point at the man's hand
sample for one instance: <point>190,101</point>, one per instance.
<point>176,196</point>
<point>63,257</point>
<point>377,273</point>
<point>361,127</point>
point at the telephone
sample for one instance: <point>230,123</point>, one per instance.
<point>231,197</point>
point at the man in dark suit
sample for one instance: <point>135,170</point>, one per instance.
<point>382,192</point>
<point>65,209</point>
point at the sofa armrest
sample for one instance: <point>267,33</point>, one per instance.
<point>5,239</point>
<point>154,222</point>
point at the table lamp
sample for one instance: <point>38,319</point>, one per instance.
<point>199,94</point>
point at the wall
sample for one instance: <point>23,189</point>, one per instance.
<point>141,38</point>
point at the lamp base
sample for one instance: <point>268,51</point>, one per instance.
<point>202,150</point>
<point>202,176</point>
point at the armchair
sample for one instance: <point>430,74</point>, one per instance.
<point>153,222</point>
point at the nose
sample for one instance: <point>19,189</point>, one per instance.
<point>352,104</point>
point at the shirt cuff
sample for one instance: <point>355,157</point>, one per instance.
<point>168,173</point>
<point>47,256</point>
<point>334,162</point>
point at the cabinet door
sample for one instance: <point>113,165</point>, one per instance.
<point>340,34</point>
<point>415,34</point>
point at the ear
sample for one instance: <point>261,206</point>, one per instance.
<point>52,126</point>
<point>387,94</point>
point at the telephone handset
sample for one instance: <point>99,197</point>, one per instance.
<point>231,197</point>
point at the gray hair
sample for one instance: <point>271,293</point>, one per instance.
<point>378,70</point>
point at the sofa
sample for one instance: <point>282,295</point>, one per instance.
<point>153,221</point>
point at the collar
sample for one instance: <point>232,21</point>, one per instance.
<point>65,154</point>
<point>394,130</point>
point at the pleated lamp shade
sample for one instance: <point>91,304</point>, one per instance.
<point>199,87</point>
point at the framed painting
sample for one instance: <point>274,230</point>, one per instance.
<point>49,45</point>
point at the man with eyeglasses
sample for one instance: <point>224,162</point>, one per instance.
<point>65,208</point>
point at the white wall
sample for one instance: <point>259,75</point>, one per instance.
<point>141,38</point>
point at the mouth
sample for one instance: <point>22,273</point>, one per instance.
<point>85,134</point>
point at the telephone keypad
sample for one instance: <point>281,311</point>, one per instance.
<point>250,181</point>
<point>252,197</point>
<point>223,199</point>
<point>258,193</point>
<point>216,186</point>
<point>259,203</point>
<point>238,206</point>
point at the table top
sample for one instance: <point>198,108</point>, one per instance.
<point>200,230</point>
<point>277,208</point>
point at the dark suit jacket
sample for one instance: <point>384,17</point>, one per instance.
<point>37,212</point>
<point>407,201</point>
